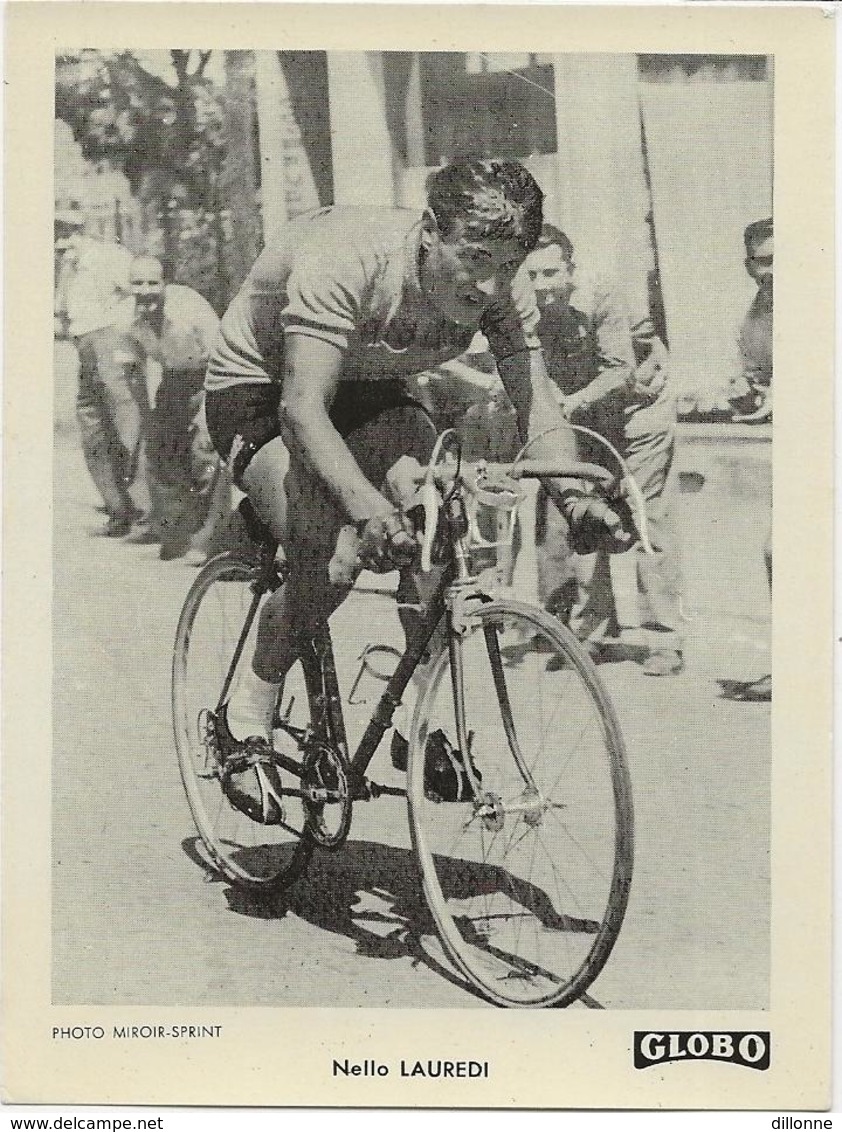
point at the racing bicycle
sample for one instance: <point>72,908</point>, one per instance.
<point>518,792</point>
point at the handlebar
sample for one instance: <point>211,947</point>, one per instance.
<point>496,485</point>
<point>545,469</point>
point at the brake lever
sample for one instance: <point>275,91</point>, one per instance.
<point>430,502</point>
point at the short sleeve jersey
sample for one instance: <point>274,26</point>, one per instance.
<point>350,278</point>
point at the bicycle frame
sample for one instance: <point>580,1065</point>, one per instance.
<point>319,665</point>
<point>320,668</point>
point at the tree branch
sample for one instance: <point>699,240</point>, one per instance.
<point>179,62</point>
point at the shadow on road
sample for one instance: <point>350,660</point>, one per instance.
<point>746,691</point>
<point>369,893</point>
<point>372,894</point>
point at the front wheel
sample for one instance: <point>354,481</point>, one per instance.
<point>528,875</point>
<point>214,643</point>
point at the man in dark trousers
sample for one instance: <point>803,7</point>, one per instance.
<point>175,329</point>
<point>610,370</point>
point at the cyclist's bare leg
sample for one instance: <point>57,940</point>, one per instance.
<point>265,482</point>
<point>253,699</point>
<point>288,616</point>
<point>306,519</point>
<point>295,611</point>
<point>306,522</point>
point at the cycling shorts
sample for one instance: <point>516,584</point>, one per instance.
<point>243,418</point>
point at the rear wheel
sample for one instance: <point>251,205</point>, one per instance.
<point>248,852</point>
<point>527,878</point>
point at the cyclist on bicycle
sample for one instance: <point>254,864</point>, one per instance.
<point>306,397</point>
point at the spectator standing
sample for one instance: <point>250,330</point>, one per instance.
<point>751,395</point>
<point>611,374</point>
<point>93,307</point>
<point>174,327</point>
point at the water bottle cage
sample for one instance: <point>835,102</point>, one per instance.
<point>367,668</point>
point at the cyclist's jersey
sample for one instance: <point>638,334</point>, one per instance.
<point>350,277</point>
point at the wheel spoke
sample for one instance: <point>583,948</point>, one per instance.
<point>534,906</point>
<point>566,766</point>
<point>583,852</point>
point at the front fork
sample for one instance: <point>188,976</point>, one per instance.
<point>461,599</point>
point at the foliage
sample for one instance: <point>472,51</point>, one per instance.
<point>167,138</point>
<point>202,254</point>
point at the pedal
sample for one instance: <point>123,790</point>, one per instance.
<point>206,726</point>
<point>446,774</point>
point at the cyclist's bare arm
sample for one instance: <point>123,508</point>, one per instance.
<point>312,370</point>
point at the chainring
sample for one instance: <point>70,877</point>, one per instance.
<point>327,796</point>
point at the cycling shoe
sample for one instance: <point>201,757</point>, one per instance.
<point>249,777</point>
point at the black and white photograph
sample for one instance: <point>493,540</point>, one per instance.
<point>410,551</point>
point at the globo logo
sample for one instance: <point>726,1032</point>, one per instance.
<point>750,1049</point>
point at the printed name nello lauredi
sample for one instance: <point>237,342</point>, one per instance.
<point>411,1068</point>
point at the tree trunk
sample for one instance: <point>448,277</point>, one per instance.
<point>239,175</point>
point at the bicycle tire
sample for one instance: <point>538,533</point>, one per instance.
<point>512,924</point>
<point>248,853</point>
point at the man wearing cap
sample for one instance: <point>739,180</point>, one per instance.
<point>175,327</point>
<point>92,303</point>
